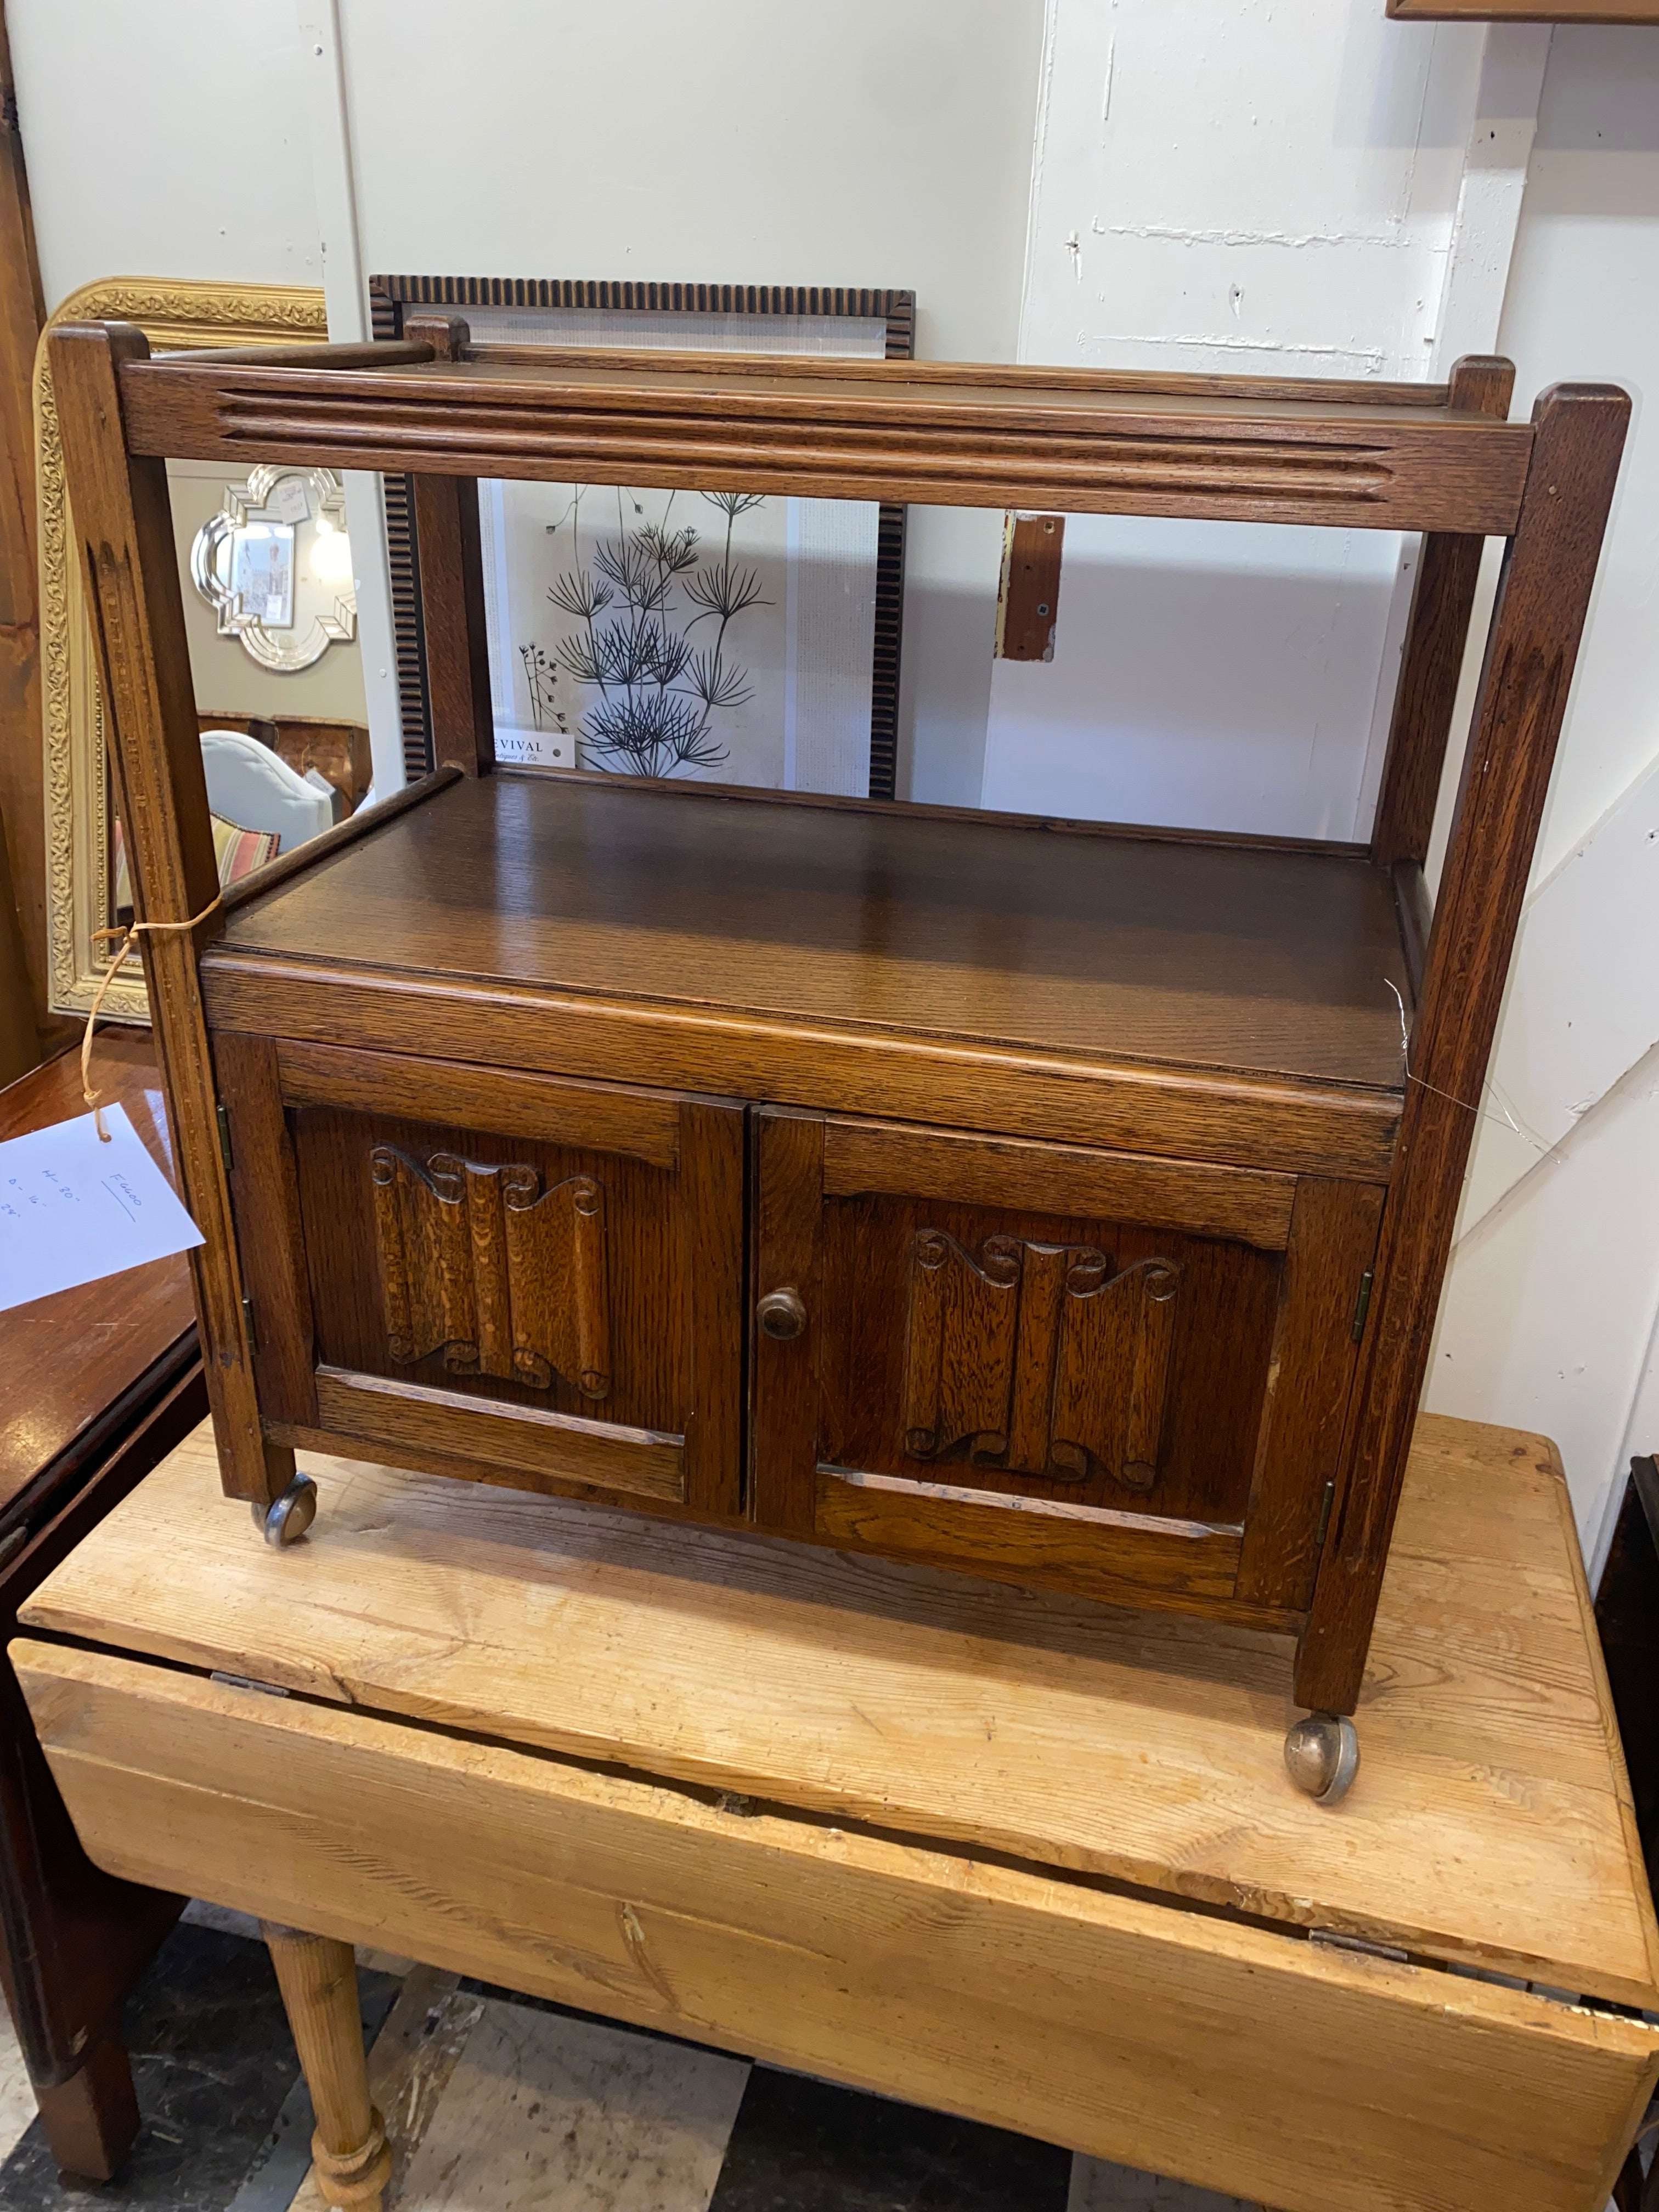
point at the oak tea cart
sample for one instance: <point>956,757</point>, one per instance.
<point>1046,1200</point>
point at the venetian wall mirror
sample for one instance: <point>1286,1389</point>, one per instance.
<point>277,671</point>
<point>275,565</point>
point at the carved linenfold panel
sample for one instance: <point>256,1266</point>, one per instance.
<point>1040,1358</point>
<point>503,1278</point>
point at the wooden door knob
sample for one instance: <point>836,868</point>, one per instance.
<point>782,1315</point>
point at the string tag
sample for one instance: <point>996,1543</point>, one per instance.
<point>129,937</point>
<point>1503,1119</point>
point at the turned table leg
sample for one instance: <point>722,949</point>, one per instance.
<point>318,1978</point>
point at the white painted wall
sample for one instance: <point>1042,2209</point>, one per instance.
<point>1549,1317</point>
<point>179,142</point>
<point>134,122</point>
<point>1247,186</point>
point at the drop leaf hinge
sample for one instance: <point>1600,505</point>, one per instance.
<point>224,1140</point>
<point>1362,1304</point>
<point>229,1681</point>
<point>1338,1939</point>
<point>1325,1505</point>
<point>251,1332</point>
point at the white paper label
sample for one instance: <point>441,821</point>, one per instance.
<point>290,500</point>
<point>73,1208</point>
<point>534,748</point>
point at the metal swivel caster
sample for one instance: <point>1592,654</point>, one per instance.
<point>1322,1755</point>
<point>287,1519</point>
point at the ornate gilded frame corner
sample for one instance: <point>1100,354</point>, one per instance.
<point>172,314</point>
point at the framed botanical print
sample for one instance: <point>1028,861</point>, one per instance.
<point>709,635</point>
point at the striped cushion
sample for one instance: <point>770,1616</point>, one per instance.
<point>238,852</point>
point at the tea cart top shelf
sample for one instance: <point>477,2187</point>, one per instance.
<point>1389,456</point>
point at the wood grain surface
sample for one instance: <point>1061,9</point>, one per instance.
<point>1543,600</point>
<point>65,1360</point>
<point>1002,1370</point>
<point>318,1977</point>
<point>1020,441</point>
<point>124,525</point>
<point>264,1194</point>
<point>861,1157</point>
<point>22,766</point>
<point>448,558</point>
<point>1195,954</point>
<point>514,1443</point>
<point>1299,1443</point>
<point>1319,392</point>
<point>1016,1351</point>
<point>362,823</point>
<point>1041,1543</point>
<point>606,1116</point>
<point>1431,662</point>
<point>1201,2047</point>
<point>1263,1121</point>
<point>1524,11</point>
<point>452,620</point>
<point>1491,1824</point>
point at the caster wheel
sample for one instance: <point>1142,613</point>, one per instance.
<point>287,1519</point>
<point>1323,1756</point>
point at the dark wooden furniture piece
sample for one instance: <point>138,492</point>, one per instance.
<point>1627,1625</point>
<point>339,751</point>
<point>97,1385</point>
<point>1525,11</point>
<point>392,297</point>
<point>1027,593</point>
<point>1627,1621</point>
<point>1047,1200</point>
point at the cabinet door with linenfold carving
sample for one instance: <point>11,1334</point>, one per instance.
<point>1111,1371</point>
<point>518,1276</point>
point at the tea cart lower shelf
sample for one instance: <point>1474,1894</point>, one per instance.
<point>1022,1857</point>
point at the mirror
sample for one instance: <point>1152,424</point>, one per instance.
<point>270,618</point>
<point>274,563</point>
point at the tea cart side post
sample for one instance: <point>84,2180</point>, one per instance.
<point>1425,696</point>
<point>1549,571</point>
<point>449,555</point>
<point>124,526</point>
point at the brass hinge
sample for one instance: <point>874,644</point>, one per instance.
<point>224,1139</point>
<point>1325,1505</point>
<point>247,1324</point>
<point>1362,1304</point>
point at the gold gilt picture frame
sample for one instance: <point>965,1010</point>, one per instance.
<point>173,313</point>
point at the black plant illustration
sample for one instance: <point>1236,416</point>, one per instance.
<point>661,686</point>
<point>540,675</point>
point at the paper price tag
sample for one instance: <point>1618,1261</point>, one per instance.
<point>290,501</point>
<point>535,748</point>
<point>73,1209</point>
